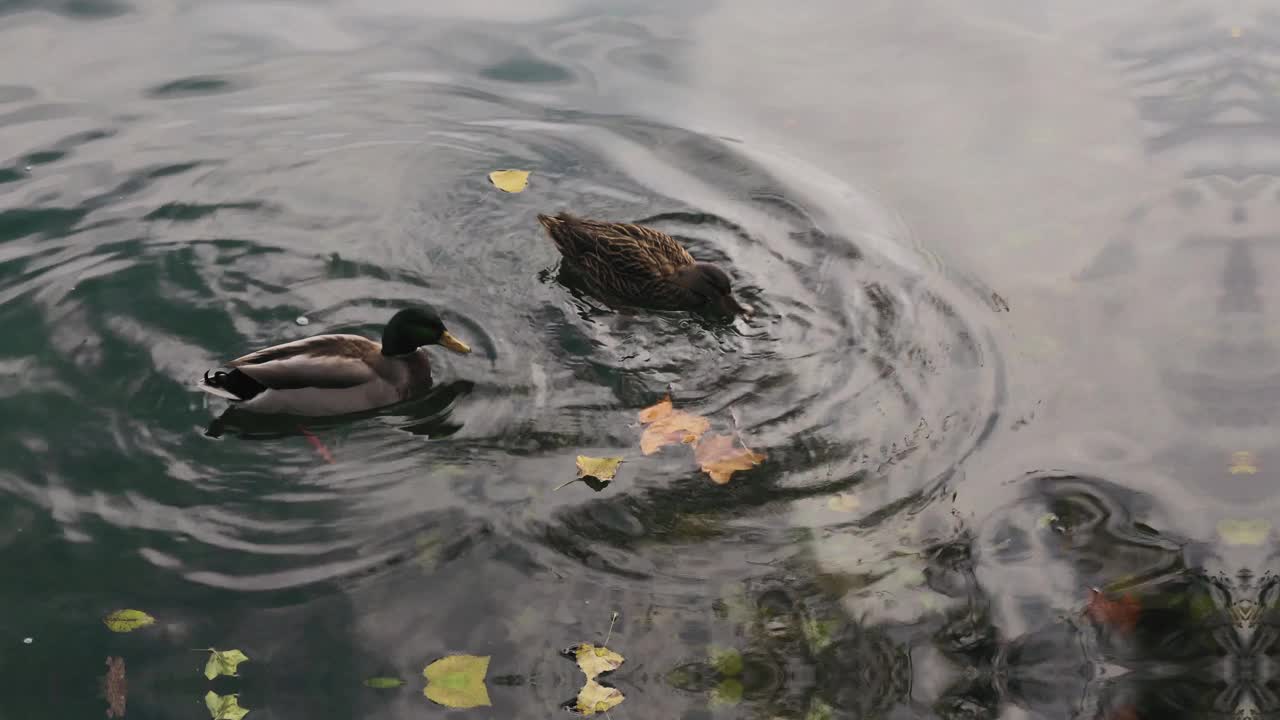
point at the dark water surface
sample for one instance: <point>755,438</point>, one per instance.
<point>1015,367</point>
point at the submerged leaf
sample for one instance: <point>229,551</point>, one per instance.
<point>223,662</point>
<point>844,502</point>
<point>720,457</point>
<point>512,181</point>
<point>383,683</point>
<point>818,710</point>
<point>596,660</point>
<point>123,621</point>
<point>727,662</point>
<point>1244,532</point>
<point>1243,462</point>
<point>679,427</point>
<point>666,425</point>
<point>224,707</point>
<point>115,687</point>
<point>596,698</point>
<point>728,692</point>
<point>818,633</point>
<point>457,681</point>
<point>599,468</point>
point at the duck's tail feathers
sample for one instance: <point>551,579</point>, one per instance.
<point>229,385</point>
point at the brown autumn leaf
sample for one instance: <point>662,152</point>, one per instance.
<point>658,411</point>
<point>595,660</point>
<point>1120,613</point>
<point>666,425</point>
<point>720,457</point>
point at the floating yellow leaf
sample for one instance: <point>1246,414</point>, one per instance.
<point>600,468</point>
<point>512,181</point>
<point>844,502</point>
<point>595,472</point>
<point>596,698</point>
<point>1243,462</point>
<point>667,425</point>
<point>224,707</point>
<point>223,662</point>
<point>596,660</point>
<point>1236,32</point>
<point>1244,532</point>
<point>457,681</point>
<point>720,457</point>
<point>123,621</point>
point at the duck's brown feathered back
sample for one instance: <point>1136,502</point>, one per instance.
<point>619,259</point>
<point>647,249</point>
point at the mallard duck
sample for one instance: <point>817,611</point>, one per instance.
<point>335,374</point>
<point>638,266</point>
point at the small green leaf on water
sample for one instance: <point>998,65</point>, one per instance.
<point>512,181</point>
<point>383,683</point>
<point>223,662</point>
<point>1046,520</point>
<point>224,707</point>
<point>727,662</point>
<point>457,681</point>
<point>123,621</point>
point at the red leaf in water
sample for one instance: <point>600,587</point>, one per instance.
<point>115,687</point>
<point>1124,712</point>
<point>1121,613</point>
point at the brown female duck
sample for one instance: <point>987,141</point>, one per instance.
<point>640,266</point>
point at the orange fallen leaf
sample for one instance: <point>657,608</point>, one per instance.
<point>720,457</point>
<point>667,425</point>
<point>656,412</point>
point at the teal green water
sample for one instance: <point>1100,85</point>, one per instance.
<point>1012,370</point>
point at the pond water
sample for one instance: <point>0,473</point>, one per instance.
<point>1014,366</point>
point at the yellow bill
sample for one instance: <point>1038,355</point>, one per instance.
<point>454,343</point>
